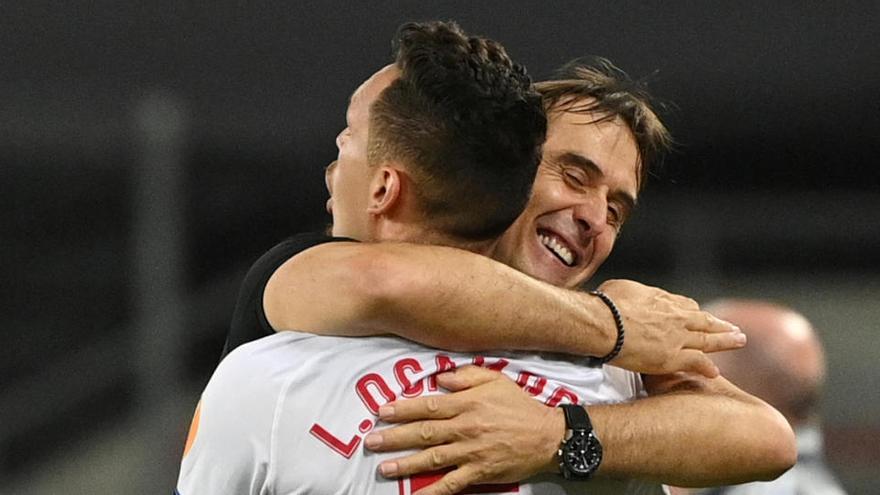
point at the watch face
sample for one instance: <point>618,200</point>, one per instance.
<point>582,454</point>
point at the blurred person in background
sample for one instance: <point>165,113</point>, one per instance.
<point>783,364</point>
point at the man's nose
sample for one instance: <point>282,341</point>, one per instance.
<point>591,215</point>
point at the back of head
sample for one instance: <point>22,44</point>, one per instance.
<point>783,362</point>
<point>593,85</point>
<point>463,120</point>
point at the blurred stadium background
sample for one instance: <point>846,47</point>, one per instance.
<point>150,151</point>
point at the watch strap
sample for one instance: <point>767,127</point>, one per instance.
<point>576,418</point>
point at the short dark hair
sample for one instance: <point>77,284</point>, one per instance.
<point>466,122</point>
<point>594,85</point>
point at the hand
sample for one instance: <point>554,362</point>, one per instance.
<point>666,332</point>
<point>489,428</point>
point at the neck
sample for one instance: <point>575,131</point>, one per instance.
<point>420,235</point>
<point>485,248</point>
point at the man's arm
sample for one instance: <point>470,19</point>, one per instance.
<point>695,432</point>
<point>453,299</point>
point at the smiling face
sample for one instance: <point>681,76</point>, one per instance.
<point>584,191</point>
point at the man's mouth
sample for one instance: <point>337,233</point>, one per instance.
<point>557,246</point>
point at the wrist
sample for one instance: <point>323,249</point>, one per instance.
<point>618,324</point>
<point>600,416</point>
<point>555,436</point>
<point>601,332</point>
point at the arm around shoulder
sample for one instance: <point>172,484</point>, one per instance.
<point>438,296</point>
<point>330,289</point>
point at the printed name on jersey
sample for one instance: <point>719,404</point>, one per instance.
<point>410,380</point>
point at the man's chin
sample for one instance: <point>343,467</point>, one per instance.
<point>569,278</point>
<point>560,276</point>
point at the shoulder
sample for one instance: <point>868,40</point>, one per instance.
<point>260,272</point>
<point>249,380</point>
<point>249,319</point>
<point>259,363</point>
<point>229,443</point>
<point>289,248</point>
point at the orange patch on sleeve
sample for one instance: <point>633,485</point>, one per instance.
<point>193,430</point>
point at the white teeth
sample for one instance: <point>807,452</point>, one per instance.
<point>557,248</point>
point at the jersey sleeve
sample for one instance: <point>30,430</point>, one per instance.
<point>228,446</point>
<point>248,319</point>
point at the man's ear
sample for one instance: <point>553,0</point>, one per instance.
<point>385,190</point>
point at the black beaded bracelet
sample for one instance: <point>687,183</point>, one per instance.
<point>618,321</point>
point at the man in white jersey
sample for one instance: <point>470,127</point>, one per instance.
<point>345,444</point>
<point>288,413</point>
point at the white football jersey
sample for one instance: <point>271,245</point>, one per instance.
<point>287,414</point>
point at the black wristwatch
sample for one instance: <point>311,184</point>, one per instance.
<point>580,452</point>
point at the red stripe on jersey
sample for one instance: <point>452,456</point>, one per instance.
<point>420,481</point>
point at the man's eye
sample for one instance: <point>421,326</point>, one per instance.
<point>575,178</point>
<point>614,217</point>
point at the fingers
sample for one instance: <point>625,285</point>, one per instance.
<point>434,459</point>
<point>430,407</point>
<point>715,342</point>
<point>466,377</point>
<point>439,406</point>
<point>701,321</point>
<point>452,482</point>
<point>698,362</point>
<point>685,302</point>
<point>410,436</point>
<point>427,460</point>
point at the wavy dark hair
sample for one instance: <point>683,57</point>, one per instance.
<point>466,122</point>
<point>596,86</point>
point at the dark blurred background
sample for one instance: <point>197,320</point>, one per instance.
<point>150,153</point>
